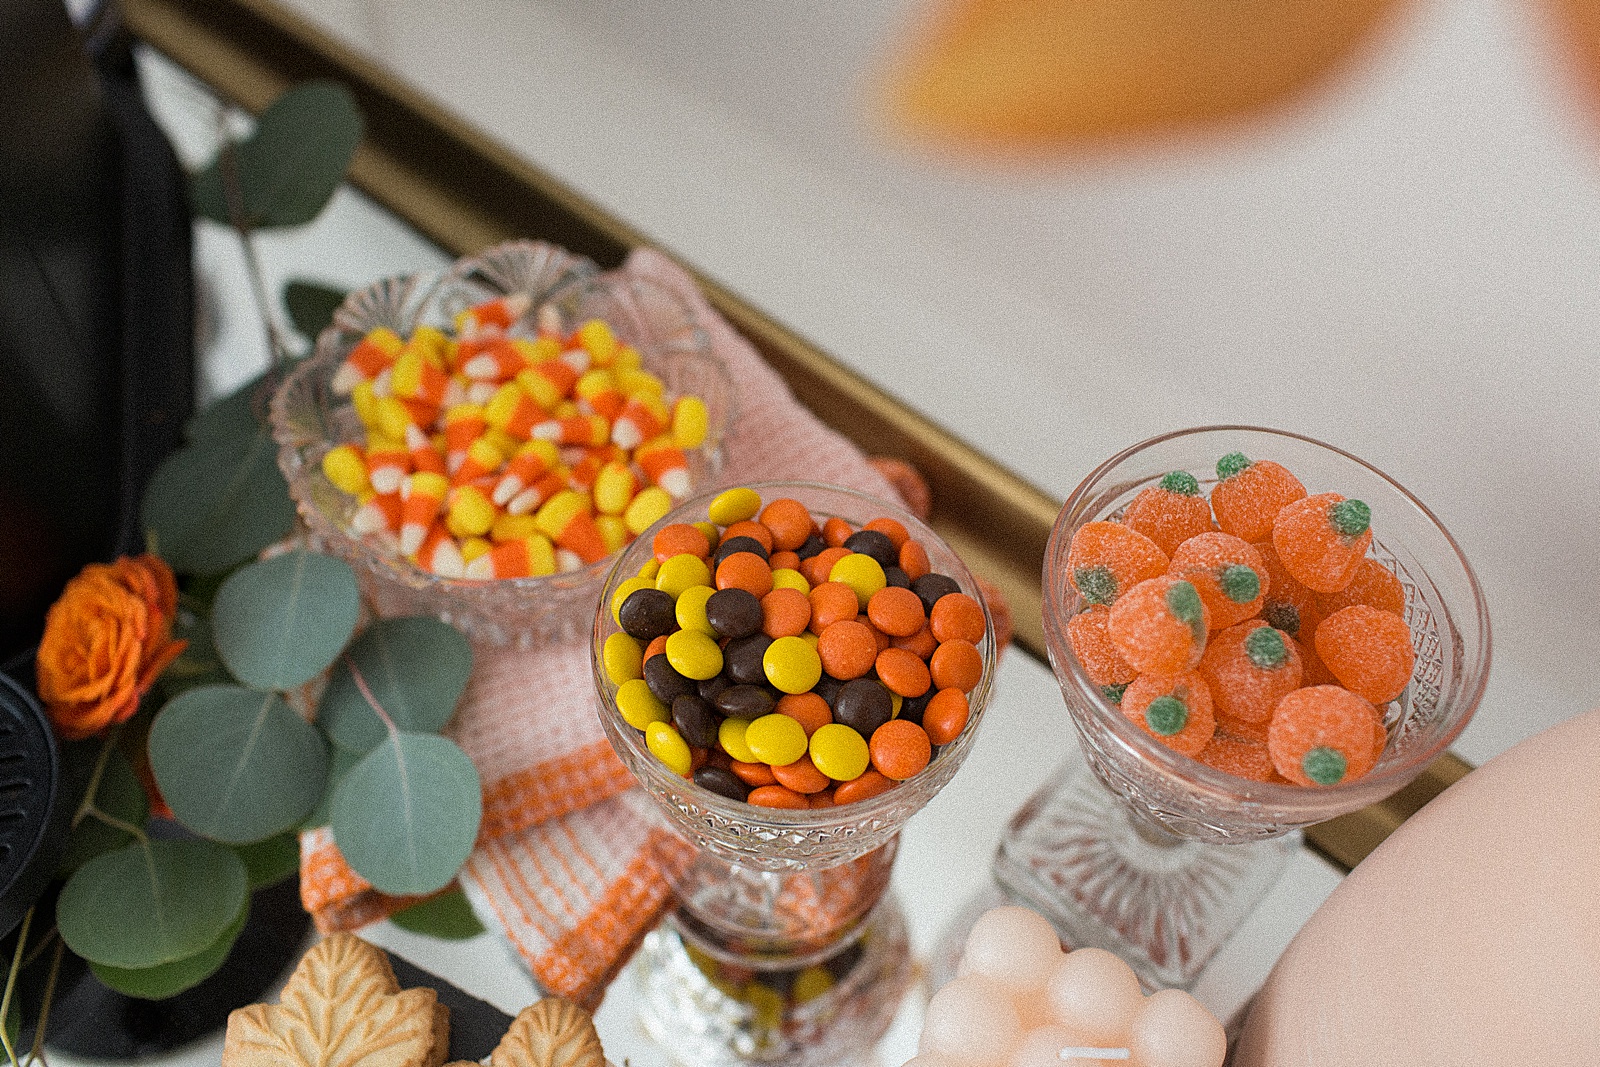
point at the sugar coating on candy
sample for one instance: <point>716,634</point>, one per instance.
<point>1106,559</point>
<point>1170,513</point>
<point>1159,626</point>
<point>1175,711</point>
<point>1086,631</point>
<point>1228,574</point>
<point>1313,549</point>
<point>1368,650</point>
<point>1373,585</point>
<point>1249,668</point>
<point>1239,757</point>
<point>1315,722</point>
<point>1249,496</point>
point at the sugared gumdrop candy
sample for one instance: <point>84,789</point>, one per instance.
<point>1322,539</point>
<point>1095,651</point>
<point>1175,711</point>
<point>1288,605</point>
<point>1322,735</point>
<point>1160,626</point>
<point>1250,667</point>
<point>1373,585</point>
<point>1248,495</point>
<point>1228,573</point>
<point>1368,650</point>
<point>1239,757</point>
<point>1170,512</point>
<point>1106,559</point>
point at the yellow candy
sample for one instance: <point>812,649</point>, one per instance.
<point>628,358</point>
<point>682,571</point>
<point>792,664</point>
<point>508,444</point>
<point>472,513</point>
<point>392,417</point>
<point>536,351</point>
<point>861,573</point>
<point>639,382</point>
<point>695,655</point>
<point>623,658</point>
<point>690,422</point>
<point>433,343</point>
<point>386,339</point>
<point>596,337</point>
<point>669,747</point>
<point>649,507</point>
<point>541,555</point>
<point>624,591</point>
<point>691,609</point>
<point>613,531</point>
<point>651,568</point>
<point>639,706</point>
<point>766,1004</point>
<point>784,578</point>
<point>473,547</point>
<point>839,752</point>
<point>713,535</point>
<point>614,487</point>
<point>811,983</point>
<point>514,527</point>
<point>730,735</point>
<point>810,638</point>
<point>735,505</point>
<point>346,469</point>
<point>776,739</point>
<point>559,510</point>
<point>365,402</point>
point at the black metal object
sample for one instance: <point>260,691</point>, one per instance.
<point>34,816</point>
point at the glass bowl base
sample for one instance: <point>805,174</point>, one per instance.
<point>707,1013</point>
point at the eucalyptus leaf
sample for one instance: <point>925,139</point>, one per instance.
<point>447,916</point>
<point>407,815</point>
<point>236,765</point>
<point>239,414</point>
<point>415,669</point>
<point>199,663</point>
<point>120,796</point>
<point>311,306</point>
<point>152,902</point>
<point>271,861</point>
<point>218,502</point>
<point>279,623</point>
<point>169,979</point>
<point>339,764</point>
<point>290,165</point>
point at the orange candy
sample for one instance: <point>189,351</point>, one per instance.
<point>1322,539</point>
<point>832,602</point>
<point>1248,496</point>
<point>914,560</point>
<point>807,709</point>
<point>777,796</point>
<point>1159,626</point>
<point>899,613</point>
<point>900,749</point>
<point>848,650</point>
<point>785,613</point>
<point>1171,512</point>
<point>946,716</point>
<point>816,569</point>
<point>1250,667</point>
<point>1229,575</point>
<point>957,616</point>
<point>1373,586</point>
<point>1238,757</point>
<point>1095,651</point>
<point>1322,735</point>
<point>1288,605</point>
<point>1368,650</point>
<point>868,785</point>
<point>1239,728</point>
<point>752,530</point>
<point>922,643</point>
<point>1106,559</point>
<point>955,664</point>
<point>752,774</point>
<point>677,539</point>
<point>1175,711</point>
<point>835,532</point>
<point>747,571</point>
<point>903,672</point>
<point>893,529</point>
<point>802,776</point>
<point>790,523</point>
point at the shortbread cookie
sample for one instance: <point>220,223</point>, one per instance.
<point>551,1033</point>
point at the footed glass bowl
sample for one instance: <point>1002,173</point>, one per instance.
<point>562,291</point>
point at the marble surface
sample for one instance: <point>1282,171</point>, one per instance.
<point>1402,264</point>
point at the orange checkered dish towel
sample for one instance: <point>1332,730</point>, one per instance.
<point>570,854</point>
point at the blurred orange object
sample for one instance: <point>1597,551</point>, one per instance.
<point>1031,77</point>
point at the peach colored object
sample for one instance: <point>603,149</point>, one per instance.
<point>1470,936</point>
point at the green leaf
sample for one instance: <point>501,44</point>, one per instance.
<point>237,766</point>
<point>279,623</point>
<point>447,916</point>
<point>122,797</point>
<point>199,664</point>
<point>13,1022</point>
<point>415,668</point>
<point>339,765</point>
<point>406,816</point>
<point>289,167</point>
<point>218,502</point>
<point>151,903</point>
<point>271,861</point>
<point>311,306</point>
<point>239,414</point>
<point>169,979</point>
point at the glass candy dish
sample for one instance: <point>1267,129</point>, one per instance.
<point>766,896</point>
<point>1158,857</point>
<point>562,292</point>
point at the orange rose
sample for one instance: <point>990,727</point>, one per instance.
<point>105,642</point>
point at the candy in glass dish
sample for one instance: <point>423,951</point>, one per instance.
<point>788,785</point>
<point>1148,847</point>
<point>479,444</point>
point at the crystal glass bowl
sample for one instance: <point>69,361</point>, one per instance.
<point>1445,611</point>
<point>772,839</point>
<point>563,291</point>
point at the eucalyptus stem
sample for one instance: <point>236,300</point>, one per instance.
<point>42,1027</point>
<point>11,986</point>
<point>366,693</point>
<point>119,824</point>
<point>233,192</point>
<point>99,772</point>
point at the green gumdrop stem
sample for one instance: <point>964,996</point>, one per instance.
<point>1166,716</point>
<point>1352,518</point>
<point>1184,603</point>
<point>1097,584</point>
<point>1181,482</point>
<point>1265,648</point>
<point>1239,583</point>
<point>1114,693</point>
<point>1231,464</point>
<point>1323,765</point>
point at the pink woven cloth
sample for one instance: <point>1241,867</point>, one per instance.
<point>570,855</point>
